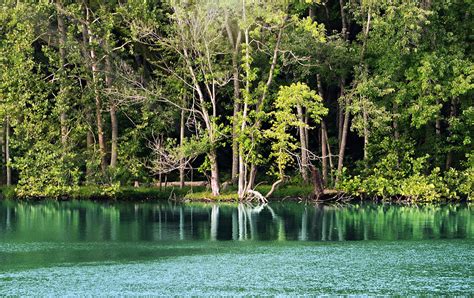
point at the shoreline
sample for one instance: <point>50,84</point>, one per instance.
<point>287,193</point>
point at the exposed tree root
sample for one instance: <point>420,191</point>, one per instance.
<point>252,195</point>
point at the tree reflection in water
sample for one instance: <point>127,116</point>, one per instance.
<point>89,221</point>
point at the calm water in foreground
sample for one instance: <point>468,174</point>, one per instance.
<point>86,248</point>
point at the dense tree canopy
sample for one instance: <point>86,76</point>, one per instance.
<point>376,95</point>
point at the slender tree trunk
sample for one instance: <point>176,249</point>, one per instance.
<point>340,122</point>
<point>366,35</point>
<point>311,12</point>
<point>331,164</point>
<point>98,102</point>
<point>215,188</point>
<point>3,178</point>
<point>345,130</point>
<point>365,117</point>
<point>235,43</point>
<point>113,115</point>
<point>252,176</point>
<point>62,60</point>
<point>7,151</point>
<point>344,32</point>
<point>99,121</point>
<point>114,140</point>
<point>344,115</point>
<point>235,128</point>
<point>324,153</point>
<point>214,173</point>
<point>243,166</point>
<point>181,143</point>
<point>304,146</point>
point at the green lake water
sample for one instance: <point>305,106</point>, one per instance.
<point>87,248</point>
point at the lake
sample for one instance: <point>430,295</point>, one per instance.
<point>90,248</point>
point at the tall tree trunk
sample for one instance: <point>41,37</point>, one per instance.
<point>7,151</point>
<point>345,130</point>
<point>243,166</point>
<point>235,128</point>
<point>3,177</point>
<point>214,173</point>
<point>366,29</point>
<point>98,115</point>
<point>95,80</point>
<point>114,136</point>
<point>113,115</point>
<point>328,145</point>
<point>324,153</point>
<point>215,187</point>
<point>345,32</point>
<point>304,145</point>
<point>181,143</point>
<point>235,43</point>
<point>323,135</point>
<point>365,118</point>
<point>252,176</point>
<point>62,61</point>
<point>89,143</point>
<point>311,12</point>
<point>340,121</point>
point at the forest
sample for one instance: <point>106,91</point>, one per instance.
<point>374,97</point>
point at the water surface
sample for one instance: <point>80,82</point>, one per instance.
<point>87,248</point>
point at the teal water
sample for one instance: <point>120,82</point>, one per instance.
<point>87,248</point>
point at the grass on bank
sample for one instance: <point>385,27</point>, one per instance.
<point>187,193</point>
<point>230,194</point>
<point>123,193</point>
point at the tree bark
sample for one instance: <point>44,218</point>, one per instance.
<point>214,173</point>
<point>237,105</point>
<point>181,143</point>
<point>215,188</point>
<point>113,115</point>
<point>324,152</point>
<point>345,130</point>
<point>304,145</point>
<point>95,80</point>
<point>365,117</point>
<point>344,32</point>
<point>317,182</point>
<point>7,151</point>
<point>3,178</point>
<point>62,61</point>
<point>438,122</point>
<point>242,185</point>
<point>331,164</point>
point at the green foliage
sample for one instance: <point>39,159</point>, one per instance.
<point>398,173</point>
<point>45,171</point>
<point>285,118</point>
<point>405,74</point>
